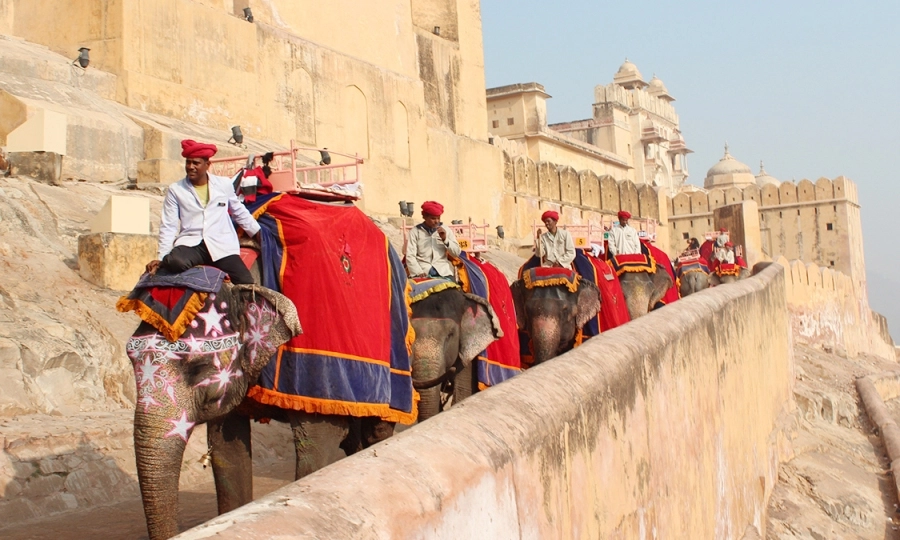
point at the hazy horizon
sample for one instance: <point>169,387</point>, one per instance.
<point>805,87</point>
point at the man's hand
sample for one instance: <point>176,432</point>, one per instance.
<point>152,267</point>
<point>442,233</point>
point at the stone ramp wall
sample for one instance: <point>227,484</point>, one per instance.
<point>666,425</point>
<point>828,310</point>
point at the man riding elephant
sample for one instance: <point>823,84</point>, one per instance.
<point>196,222</point>
<point>429,245</point>
<point>555,247</point>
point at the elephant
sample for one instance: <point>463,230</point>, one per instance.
<point>553,315</point>
<point>643,290</point>
<point>691,282</point>
<point>451,328</point>
<point>203,377</point>
<point>716,280</point>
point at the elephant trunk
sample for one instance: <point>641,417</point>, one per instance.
<point>545,338</point>
<point>158,460</point>
<point>429,402</point>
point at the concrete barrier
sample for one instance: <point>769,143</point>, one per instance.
<point>665,427</point>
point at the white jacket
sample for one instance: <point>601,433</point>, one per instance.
<point>185,222</point>
<point>426,251</point>
<point>624,241</point>
<point>557,248</point>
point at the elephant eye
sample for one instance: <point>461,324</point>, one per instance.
<point>198,368</point>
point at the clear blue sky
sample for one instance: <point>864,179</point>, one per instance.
<point>811,88</point>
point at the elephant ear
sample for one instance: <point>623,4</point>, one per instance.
<point>518,294</point>
<point>588,303</point>
<point>478,328</point>
<point>266,313</point>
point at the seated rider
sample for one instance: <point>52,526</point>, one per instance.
<point>428,245</point>
<point>195,225</point>
<point>692,244</point>
<point>725,254</point>
<point>624,239</point>
<point>557,248</point>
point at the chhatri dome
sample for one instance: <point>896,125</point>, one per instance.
<point>628,76</point>
<point>763,177</point>
<point>728,172</point>
<point>658,89</point>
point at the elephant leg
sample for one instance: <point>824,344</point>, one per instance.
<point>317,441</point>
<point>232,460</point>
<point>464,383</point>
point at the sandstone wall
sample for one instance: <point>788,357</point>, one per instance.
<point>581,197</point>
<point>816,222</point>
<point>828,310</point>
<point>366,78</point>
<point>667,424</point>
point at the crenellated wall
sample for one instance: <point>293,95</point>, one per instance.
<point>814,222</point>
<point>579,196</point>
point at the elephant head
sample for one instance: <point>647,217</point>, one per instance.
<point>200,377</point>
<point>643,290</point>
<point>691,282</point>
<point>450,326</point>
<point>553,315</point>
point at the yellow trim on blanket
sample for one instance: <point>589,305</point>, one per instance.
<point>735,272</point>
<point>331,406</point>
<point>170,331</point>
<point>489,361</point>
<point>572,285</point>
<point>462,273</point>
<point>262,209</point>
<point>635,268</point>
<point>436,289</point>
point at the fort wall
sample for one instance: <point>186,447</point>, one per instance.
<point>617,437</point>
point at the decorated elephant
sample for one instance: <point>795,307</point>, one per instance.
<point>206,345</point>
<point>451,328</point>
<point>691,280</point>
<point>644,290</point>
<point>728,275</point>
<point>552,306</point>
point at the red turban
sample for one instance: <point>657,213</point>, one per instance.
<point>550,214</point>
<point>723,229</point>
<point>624,214</point>
<point>193,149</point>
<point>729,244</point>
<point>432,208</point>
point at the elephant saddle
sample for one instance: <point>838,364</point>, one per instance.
<point>634,262</point>
<point>550,277</point>
<point>697,265</point>
<point>727,269</point>
<point>423,288</point>
<point>170,303</point>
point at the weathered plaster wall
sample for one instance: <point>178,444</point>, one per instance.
<point>828,309</point>
<point>362,78</point>
<point>661,425</point>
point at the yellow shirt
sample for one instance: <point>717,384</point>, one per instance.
<point>202,194</point>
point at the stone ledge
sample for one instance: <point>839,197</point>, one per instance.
<point>873,390</point>
<point>114,260</point>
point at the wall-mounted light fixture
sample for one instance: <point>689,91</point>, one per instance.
<point>326,157</point>
<point>437,30</point>
<point>500,233</point>
<point>402,208</point>
<point>236,136</point>
<point>248,15</point>
<point>84,57</point>
<point>410,208</point>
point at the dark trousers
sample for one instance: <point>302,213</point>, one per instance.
<point>183,258</point>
